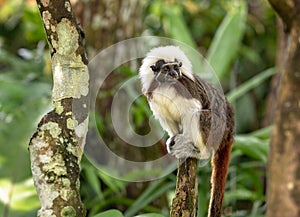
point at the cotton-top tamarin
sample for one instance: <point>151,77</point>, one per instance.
<point>196,115</point>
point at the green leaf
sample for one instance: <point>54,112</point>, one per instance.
<point>176,28</point>
<point>33,24</point>
<point>114,184</point>
<point>175,25</point>
<point>240,194</point>
<point>154,190</point>
<point>256,209</point>
<point>20,196</point>
<point>150,215</point>
<point>241,90</point>
<point>244,106</point>
<point>263,133</point>
<point>226,41</point>
<point>252,146</point>
<point>110,213</point>
<point>20,110</point>
<point>10,9</point>
<point>21,106</point>
<point>92,178</point>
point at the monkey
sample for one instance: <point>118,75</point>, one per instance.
<point>195,115</point>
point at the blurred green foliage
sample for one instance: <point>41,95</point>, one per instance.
<point>238,39</point>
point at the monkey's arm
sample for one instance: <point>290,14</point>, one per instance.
<point>188,143</point>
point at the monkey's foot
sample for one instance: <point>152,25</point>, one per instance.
<point>181,147</point>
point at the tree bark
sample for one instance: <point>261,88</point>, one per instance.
<point>273,91</point>
<point>185,201</point>
<point>57,145</point>
<point>283,193</point>
<point>109,22</point>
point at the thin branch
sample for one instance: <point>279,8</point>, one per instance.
<point>185,202</point>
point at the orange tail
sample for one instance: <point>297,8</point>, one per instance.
<point>220,163</point>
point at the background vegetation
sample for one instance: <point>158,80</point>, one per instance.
<point>238,38</point>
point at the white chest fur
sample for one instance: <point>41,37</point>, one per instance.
<point>171,109</point>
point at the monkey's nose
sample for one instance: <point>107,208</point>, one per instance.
<point>173,74</point>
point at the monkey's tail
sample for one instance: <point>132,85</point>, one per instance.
<point>220,163</point>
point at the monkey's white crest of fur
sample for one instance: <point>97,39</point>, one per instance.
<point>167,53</point>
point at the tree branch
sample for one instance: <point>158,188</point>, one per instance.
<point>283,166</point>
<point>56,146</point>
<point>286,9</point>
<point>185,202</point>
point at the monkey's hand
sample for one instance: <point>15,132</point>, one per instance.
<point>182,147</point>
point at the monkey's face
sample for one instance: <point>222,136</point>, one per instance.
<point>166,71</point>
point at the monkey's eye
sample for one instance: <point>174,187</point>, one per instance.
<point>166,68</point>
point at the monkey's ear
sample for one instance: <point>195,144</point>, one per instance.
<point>180,63</point>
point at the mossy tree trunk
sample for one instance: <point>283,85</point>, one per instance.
<point>185,201</point>
<point>57,145</point>
<point>283,194</point>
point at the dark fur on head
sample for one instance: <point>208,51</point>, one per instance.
<point>157,66</point>
<point>166,71</point>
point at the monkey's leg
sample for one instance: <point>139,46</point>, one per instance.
<point>220,163</point>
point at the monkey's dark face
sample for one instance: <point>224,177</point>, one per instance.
<point>166,71</point>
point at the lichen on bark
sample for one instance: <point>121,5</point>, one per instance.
<point>55,153</point>
<point>56,146</point>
